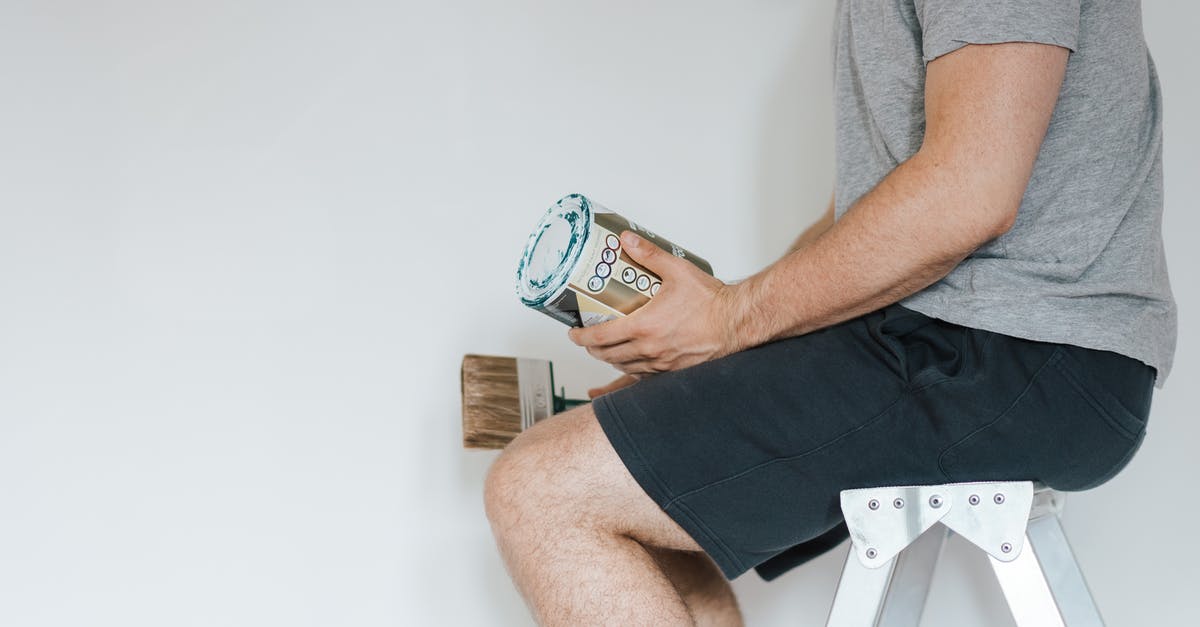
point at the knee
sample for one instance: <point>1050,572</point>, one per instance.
<point>538,480</point>
<point>500,487</point>
<point>511,491</point>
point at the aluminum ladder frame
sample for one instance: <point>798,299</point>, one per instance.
<point>895,550</point>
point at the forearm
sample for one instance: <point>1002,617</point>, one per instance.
<point>904,235</point>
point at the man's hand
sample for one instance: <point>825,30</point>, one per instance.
<point>686,323</point>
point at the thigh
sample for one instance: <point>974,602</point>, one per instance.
<point>747,453</point>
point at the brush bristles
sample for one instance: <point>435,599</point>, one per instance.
<point>491,401</point>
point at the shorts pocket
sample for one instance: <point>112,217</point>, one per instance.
<point>1061,430</point>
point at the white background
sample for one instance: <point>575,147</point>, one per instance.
<point>245,244</point>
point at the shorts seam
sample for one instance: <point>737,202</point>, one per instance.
<point>785,458</point>
<point>1054,357</point>
<point>703,527</point>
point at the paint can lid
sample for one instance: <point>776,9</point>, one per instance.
<point>553,250</point>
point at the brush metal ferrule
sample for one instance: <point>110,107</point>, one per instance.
<point>535,390</point>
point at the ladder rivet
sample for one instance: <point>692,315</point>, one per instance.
<point>1006,547</point>
<point>935,501</point>
<point>873,504</point>
<point>974,500</point>
<point>898,503</point>
<point>999,499</point>
<point>871,553</point>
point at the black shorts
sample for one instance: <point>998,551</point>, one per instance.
<point>749,453</point>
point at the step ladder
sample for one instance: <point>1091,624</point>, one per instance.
<point>894,552</point>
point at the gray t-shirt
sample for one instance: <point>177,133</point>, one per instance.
<point>1084,263</point>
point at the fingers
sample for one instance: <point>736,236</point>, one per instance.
<point>609,333</point>
<point>633,327</point>
<point>618,354</point>
<point>600,391</point>
<point>642,368</point>
<point>650,256</point>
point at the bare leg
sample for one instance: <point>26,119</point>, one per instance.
<point>572,526</point>
<point>703,588</point>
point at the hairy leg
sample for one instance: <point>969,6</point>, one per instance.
<point>574,529</point>
<point>704,589</point>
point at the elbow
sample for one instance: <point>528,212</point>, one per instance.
<point>992,192</point>
<point>1002,222</point>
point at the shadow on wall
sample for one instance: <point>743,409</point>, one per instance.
<point>796,159</point>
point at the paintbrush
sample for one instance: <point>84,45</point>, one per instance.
<point>503,396</point>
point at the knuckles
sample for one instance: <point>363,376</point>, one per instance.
<point>653,351</point>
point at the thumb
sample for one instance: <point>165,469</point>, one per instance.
<point>650,256</point>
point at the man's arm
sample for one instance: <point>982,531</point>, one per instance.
<point>987,108</point>
<point>808,236</point>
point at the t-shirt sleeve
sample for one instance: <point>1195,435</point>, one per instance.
<point>947,25</point>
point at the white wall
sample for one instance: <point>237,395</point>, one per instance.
<point>244,245</point>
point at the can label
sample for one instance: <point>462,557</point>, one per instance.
<point>575,269</point>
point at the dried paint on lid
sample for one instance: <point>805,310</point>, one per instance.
<point>553,250</point>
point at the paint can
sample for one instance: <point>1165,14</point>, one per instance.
<point>575,271</point>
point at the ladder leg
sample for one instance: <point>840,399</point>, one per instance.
<point>1043,585</point>
<point>893,594</point>
<point>860,593</point>
<point>906,595</point>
